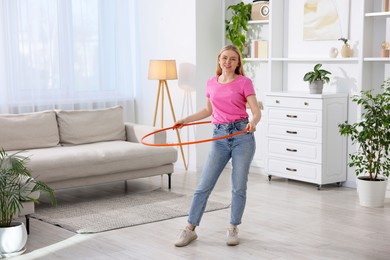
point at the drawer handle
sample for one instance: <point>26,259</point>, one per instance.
<point>291,132</point>
<point>277,101</point>
<point>306,103</point>
<point>291,116</point>
<point>291,169</point>
<point>291,150</point>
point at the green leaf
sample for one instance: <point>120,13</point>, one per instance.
<point>16,185</point>
<point>371,134</point>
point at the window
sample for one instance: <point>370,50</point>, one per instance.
<point>60,52</point>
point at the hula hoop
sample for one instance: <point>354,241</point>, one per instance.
<point>191,142</point>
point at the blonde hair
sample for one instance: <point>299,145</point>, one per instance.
<point>239,70</point>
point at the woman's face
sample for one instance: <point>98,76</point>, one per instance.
<point>228,61</point>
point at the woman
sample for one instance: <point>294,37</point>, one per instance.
<point>227,95</point>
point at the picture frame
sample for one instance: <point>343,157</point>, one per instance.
<point>325,19</point>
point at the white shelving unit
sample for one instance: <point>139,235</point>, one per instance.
<point>375,30</point>
<point>317,60</point>
<point>371,69</point>
<point>289,57</point>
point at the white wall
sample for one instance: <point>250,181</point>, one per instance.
<point>188,31</point>
<point>209,40</point>
<point>166,31</point>
<point>345,76</point>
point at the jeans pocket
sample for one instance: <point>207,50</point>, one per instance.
<point>241,125</point>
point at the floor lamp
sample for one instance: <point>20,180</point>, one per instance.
<point>163,70</point>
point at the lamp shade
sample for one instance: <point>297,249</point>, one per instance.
<point>162,69</point>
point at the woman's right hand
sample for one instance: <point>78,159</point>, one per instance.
<point>179,123</point>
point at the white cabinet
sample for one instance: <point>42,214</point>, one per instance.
<point>302,138</point>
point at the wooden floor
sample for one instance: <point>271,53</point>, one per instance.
<point>284,219</point>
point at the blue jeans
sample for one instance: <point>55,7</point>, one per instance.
<point>240,149</point>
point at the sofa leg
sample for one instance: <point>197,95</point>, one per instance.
<point>28,224</point>
<point>169,180</point>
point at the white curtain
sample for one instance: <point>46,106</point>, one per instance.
<point>67,54</point>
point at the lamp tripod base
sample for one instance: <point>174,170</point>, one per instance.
<point>162,87</point>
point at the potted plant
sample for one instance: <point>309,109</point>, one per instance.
<point>316,78</point>
<point>16,187</point>
<point>346,50</point>
<point>236,27</point>
<point>372,136</point>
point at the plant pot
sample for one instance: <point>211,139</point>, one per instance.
<point>13,239</point>
<point>316,87</point>
<point>371,193</point>
<point>346,51</point>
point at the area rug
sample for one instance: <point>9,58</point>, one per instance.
<point>119,211</point>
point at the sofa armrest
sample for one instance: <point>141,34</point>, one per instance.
<point>135,132</point>
<point>28,208</point>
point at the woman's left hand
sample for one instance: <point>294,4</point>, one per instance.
<point>252,127</point>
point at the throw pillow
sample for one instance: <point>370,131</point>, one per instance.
<point>28,130</point>
<point>90,126</point>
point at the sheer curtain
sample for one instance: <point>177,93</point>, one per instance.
<point>67,54</point>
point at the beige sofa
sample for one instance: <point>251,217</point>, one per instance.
<point>84,147</point>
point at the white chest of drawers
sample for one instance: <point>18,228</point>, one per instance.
<point>302,138</point>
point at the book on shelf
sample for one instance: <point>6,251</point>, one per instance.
<point>259,49</point>
<point>385,5</point>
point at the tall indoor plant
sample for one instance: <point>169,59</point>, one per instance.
<point>236,27</point>
<point>16,187</point>
<point>372,135</point>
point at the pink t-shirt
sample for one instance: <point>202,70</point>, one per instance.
<point>229,100</point>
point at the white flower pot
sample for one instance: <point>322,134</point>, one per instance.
<point>371,193</point>
<point>316,87</point>
<point>13,239</point>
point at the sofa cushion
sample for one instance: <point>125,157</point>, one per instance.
<point>89,126</point>
<point>28,131</point>
<point>95,159</point>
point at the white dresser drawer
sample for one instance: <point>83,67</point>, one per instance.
<point>293,170</point>
<point>309,152</point>
<point>302,137</point>
<point>294,102</point>
<point>295,116</point>
<point>290,132</point>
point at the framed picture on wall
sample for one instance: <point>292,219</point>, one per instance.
<point>325,19</point>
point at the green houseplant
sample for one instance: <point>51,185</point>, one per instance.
<point>236,27</point>
<point>316,78</point>
<point>372,136</point>
<point>16,186</point>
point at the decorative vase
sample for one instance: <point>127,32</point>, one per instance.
<point>371,193</point>
<point>346,51</point>
<point>13,239</point>
<point>333,52</point>
<point>316,87</point>
<point>385,50</point>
